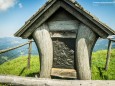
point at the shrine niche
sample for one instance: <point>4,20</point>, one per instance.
<point>65,35</point>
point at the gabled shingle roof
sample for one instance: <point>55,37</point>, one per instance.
<point>75,5</point>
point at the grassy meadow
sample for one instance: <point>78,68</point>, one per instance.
<point>18,66</point>
<point>98,66</point>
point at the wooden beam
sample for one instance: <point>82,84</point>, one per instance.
<point>29,54</point>
<point>64,34</point>
<point>113,40</point>
<point>84,20</point>
<point>41,19</point>
<point>92,18</point>
<point>108,55</point>
<point>49,9</point>
<point>64,73</point>
<point>86,38</point>
<point>27,81</point>
<point>44,43</point>
<point>34,18</point>
<point>9,49</point>
<point>70,25</point>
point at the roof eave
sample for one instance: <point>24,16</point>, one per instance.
<point>28,23</point>
<point>103,26</point>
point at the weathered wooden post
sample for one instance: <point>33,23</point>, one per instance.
<point>44,43</point>
<point>84,43</point>
<point>29,54</point>
<point>108,54</point>
<point>65,35</point>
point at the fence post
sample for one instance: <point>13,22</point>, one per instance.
<point>29,54</point>
<point>108,55</point>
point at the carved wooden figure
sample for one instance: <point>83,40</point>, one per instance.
<point>65,35</point>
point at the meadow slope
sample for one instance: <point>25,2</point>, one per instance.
<point>18,66</point>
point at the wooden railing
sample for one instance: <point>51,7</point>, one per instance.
<point>29,50</point>
<point>108,53</point>
<point>25,81</point>
<point>43,82</point>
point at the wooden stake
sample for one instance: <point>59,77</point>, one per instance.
<point>29,54</point>
<point>108,55</point>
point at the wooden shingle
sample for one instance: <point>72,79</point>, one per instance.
<point>74,8</point>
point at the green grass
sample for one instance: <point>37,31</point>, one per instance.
<point>18,66</point>
<point>98,66</point>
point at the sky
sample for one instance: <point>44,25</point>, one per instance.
<point>14,13</point>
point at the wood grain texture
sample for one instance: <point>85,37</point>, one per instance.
<point>26,81</point>
<point>9,49</point>
<point>108,55</point>
<point>64,34</point>
<point>84,42</point>
<point>84,20</point>
<point>70,25</point>
<point>29,54</point>
<point>41,19</point>
<point>64,73</point>
<point>44,43</point>
<point>75,9</point>
<point>34,18</point>
<point>91,17</point>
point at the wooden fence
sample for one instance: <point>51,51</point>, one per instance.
<point>25,81</point>
<point>29,50</point>
<point>108,53</point>
<point>47,82</point>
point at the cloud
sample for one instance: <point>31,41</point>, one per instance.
<point>104,2</point>
<point>20,5</point>
<point>6,4</point>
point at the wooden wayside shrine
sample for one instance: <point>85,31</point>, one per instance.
<point>65,35</point>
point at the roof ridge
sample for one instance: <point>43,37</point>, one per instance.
<point>73,3</point>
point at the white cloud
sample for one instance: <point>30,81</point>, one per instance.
<point>6,4</point>
<point>20,5</point>
<point>105,2</point>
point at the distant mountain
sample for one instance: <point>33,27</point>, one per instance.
<point>8,42</point>
<point>102,44</point>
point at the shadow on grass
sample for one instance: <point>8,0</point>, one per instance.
<point>61,78</point>
<point>22,71</point>
<point>101,72</point>
<point>36,74</point>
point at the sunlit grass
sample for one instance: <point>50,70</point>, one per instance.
<point>18,67</point>
<point>98,66</point>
